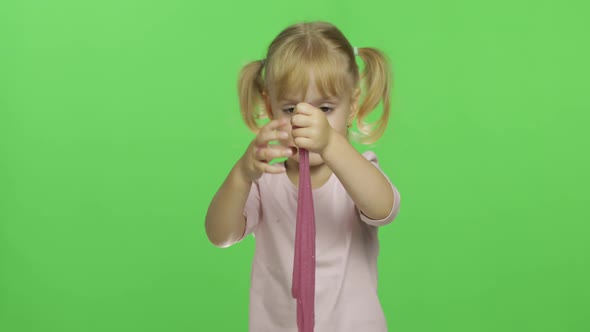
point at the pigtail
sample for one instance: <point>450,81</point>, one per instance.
<point>377,80</point>
<point>250,87</point>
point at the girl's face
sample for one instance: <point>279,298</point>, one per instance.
<point>339,111</point>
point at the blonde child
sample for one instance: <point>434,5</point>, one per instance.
<point>309,86</point>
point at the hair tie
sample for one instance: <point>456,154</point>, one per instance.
<point>263,61</point>
<point>356,51</point>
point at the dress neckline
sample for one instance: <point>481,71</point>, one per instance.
<point>319,190</point>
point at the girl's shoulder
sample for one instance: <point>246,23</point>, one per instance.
<point>371,156</point>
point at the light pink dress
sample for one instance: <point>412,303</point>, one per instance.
<point>347,247</point>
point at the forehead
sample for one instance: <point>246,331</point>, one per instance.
<point>311,87</point>
<point>311,94</point>
<point>308,77</point>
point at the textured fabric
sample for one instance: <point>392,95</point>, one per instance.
<point>347,248</point>
<point>303,287</point>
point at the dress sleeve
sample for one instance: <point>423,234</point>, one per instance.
<point>396,196</point>
<point>252,210</point>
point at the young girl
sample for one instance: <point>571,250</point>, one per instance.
<point>309,87</point>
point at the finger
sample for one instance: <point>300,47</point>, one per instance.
<point>266,132</point>
<point>272,152</point>
<point>273,169</point>
<point>301,120</point>
<point>303,132</point>
<point>274,124</point>
<point>264,137</point>
<point>286,127</point>
<point>304,108</point>
<point>303,142</point>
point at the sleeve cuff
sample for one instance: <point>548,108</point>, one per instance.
<point>392,214</point>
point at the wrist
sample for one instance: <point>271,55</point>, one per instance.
<point>333,147</point>
<point>241,172</point>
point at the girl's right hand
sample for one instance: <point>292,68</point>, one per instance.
<point>256,160</point>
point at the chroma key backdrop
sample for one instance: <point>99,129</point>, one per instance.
<point>119,120</point>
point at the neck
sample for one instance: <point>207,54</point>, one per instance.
<point>319,174</point>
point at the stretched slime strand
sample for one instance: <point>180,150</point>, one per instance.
<point>303,288</point>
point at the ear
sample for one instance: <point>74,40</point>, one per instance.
<point>354,104</point>
<point>267,104</point>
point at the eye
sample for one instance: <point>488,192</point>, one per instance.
<point>326,109</point>
<point>289,110</point>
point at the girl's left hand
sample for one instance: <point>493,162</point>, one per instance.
<point>311,129</point>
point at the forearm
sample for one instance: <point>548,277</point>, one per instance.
<point>366,185</point>
<point>225,221</point>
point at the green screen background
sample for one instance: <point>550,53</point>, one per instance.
<point>119,120</point>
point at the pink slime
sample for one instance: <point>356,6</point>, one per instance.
<point>303,288</point>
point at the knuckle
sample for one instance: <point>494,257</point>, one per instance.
<point>277,153</point>
<point>256,154</point>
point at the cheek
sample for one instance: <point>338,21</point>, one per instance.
<point>337,122</point>
<point>279,115</point>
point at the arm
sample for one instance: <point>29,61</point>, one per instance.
<point>367,186</point>
<point>357,174</point>
<point>225,221</point>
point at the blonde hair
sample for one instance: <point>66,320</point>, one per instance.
<point>319,48</point>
